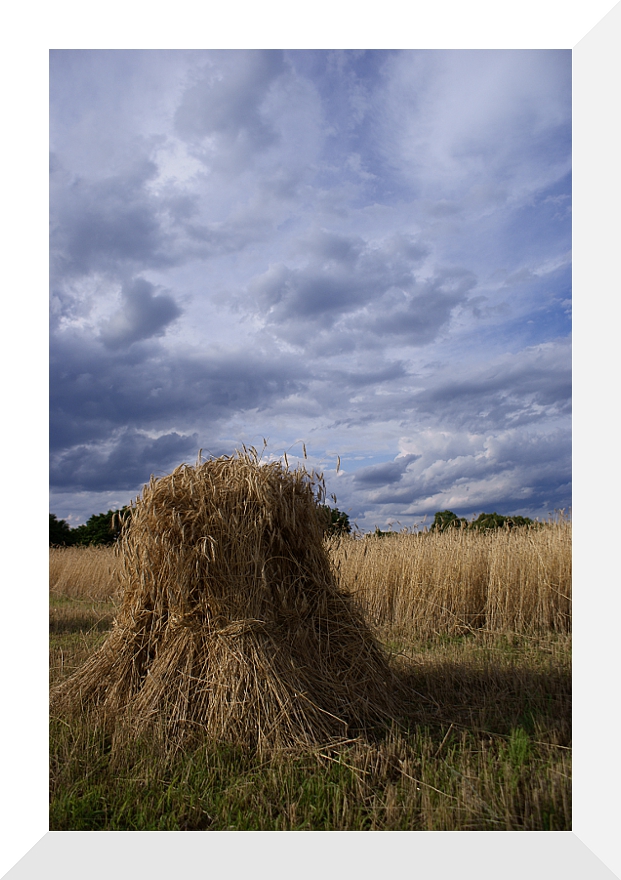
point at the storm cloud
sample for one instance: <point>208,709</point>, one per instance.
<point>127,459</point>
<point>384,474</point>
<point>144,314</point>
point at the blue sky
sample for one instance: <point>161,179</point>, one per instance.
<point>368,252</point>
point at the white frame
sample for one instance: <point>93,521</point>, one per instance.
<point>594,30</point>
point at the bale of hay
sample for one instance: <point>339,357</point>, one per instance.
<point>232,623</point>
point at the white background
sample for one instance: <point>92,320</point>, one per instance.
<point>29,33</point>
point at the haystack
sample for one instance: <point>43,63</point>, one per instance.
<point>232,623</point>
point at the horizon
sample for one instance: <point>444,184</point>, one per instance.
<point>417,527</point>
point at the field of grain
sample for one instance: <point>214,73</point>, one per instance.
<point>478,626</point>
<point>458,581</point>
<point>84,572</point>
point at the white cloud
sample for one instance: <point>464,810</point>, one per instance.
<point>472,125</point>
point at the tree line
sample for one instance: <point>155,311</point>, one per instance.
<point>101,528</point>
<point>104,528</point>
<point>446,519</point>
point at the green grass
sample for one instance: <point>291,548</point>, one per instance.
<point>405,783</point>
<point>484,745</point>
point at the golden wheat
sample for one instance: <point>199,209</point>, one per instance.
<point>460,580</point>
<point>441,583</point>
<point>84,572</point>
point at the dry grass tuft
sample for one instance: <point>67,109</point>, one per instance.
<point>231,621</point>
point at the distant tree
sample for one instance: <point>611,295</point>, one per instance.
<point>487,521</point>
<point>446,519</point>
<point>101,528</point>
<point>522,521</point>
<point>337,522</point>
<point>61,533</point>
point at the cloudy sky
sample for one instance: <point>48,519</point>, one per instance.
<point>365,252</point>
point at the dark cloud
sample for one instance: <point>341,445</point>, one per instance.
<point>101,225</point>
<point>514,472</point>
<point>384,474</point>
<point>206,241</point>
<point>94,392</point>
<point>144,314</point>
<point>519,389</point>
<point>125,463</point>
<point>227,101</point>
<point>420,313</point>
<point>373,285</point>
<point>287,295</point>
<point>330,248</point>
<point>544,492</point>
<point>362,378</point>
<point>408,247</point>
<point>123,224</point>
<point>527,389</point>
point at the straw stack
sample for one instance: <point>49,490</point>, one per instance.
<point>232,623</point>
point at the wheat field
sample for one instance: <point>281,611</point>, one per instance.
<point>451,582</point>
<point>479,629</point>
<point>85,572</point>
<point>460,580</point>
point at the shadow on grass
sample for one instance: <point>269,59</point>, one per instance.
<point>72,622</point>
<point>487,700</point>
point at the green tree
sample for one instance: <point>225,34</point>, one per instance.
<point>486,521</point>
<point>521,521</point>
<point>337,521</point>
<point>101,528</point>
<point>61,533</point>
<point>446,519</point>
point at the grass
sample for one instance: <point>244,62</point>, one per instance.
<point>403,783</point>
<point>77,628</point>
<point>485,746</point>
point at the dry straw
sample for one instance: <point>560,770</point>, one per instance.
<point>232,622</point>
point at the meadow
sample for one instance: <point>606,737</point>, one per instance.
<point>478,626</point>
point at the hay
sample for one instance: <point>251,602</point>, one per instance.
<point>232,623</point>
